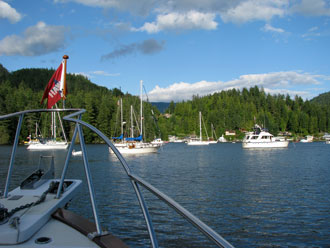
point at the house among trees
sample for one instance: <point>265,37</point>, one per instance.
<point>230,133</point>
<point>167,115</point>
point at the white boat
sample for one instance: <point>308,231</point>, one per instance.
<point>222,139</point>
<point>40,143</point>
<point>260,138</point>
<point>44,144</point>
<point>326,136</point>
<point>307,139</point>
<point>55,90</point>
<point>76,153</point>
<point>136,145</point>
<point>198,142</point>
<point>158,141</point>
<point>35,213</point>
<point>137,148</point>
<point>174,139</point>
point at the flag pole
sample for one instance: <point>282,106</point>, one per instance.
<point>65,57</point>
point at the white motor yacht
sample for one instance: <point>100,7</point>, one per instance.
<point>261,138</point>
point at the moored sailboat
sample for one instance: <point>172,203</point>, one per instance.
<point>198,141</point>
<point>136,145</point>
<point>54,91</point>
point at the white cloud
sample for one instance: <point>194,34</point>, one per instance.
<point>141,7</point>
<point>7,12</point>
<point>93,74</point>
<point>270,28</point>
<point>312,8</point>
<point>236,11</point>
<point>104,73</point>
<point>180,21</point>
<point>252,10</point>
<point>276,82</point>
<point>37,40</point>
<point>292,93</point>
<point>312,32</point>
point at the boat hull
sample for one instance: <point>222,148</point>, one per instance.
<point>48,146</point>
<point>198,143</point>
<point>136,148</point>
<point>273,144</point>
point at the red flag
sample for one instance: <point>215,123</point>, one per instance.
<point>54,89</point>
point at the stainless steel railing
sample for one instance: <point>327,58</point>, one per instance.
<point>135,180</point>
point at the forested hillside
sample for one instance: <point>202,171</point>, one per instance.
<point>239,110</point>
<point>227,110</point>
<point>23,89</point>
<point>323,99</point>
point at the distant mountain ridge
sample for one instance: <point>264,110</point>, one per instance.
<point>323,99</point>
<point>162,106</point>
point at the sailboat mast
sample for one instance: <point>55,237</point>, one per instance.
<point>121,117</point>
<point>200,125</point>
<point>141,82</point>
<point>132,124</point>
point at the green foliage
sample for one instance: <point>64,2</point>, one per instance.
<point>323,99</point>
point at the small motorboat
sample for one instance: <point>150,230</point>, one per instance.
<point>76,153</point>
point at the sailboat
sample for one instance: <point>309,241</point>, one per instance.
<point>199,141</point>
<point>212,140</point>
<point>55,90</point>
<point>41,143</point>
<point>119,141</point>
<point>135,145</point>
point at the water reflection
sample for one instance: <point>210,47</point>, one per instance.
<point>253,198</point>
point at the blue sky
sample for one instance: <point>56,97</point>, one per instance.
<point>179,48</point>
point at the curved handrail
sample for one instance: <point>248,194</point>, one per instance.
<point>135,180</point>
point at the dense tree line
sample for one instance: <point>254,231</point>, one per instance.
<point>227,110</point>
<point>240,110</point>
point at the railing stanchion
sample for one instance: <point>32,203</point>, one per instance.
<point>89,179</point>
<point>12,157</point>
<point>68,156</point>
<point>146,215</point>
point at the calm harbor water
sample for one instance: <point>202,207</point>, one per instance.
<point>253,198</point>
